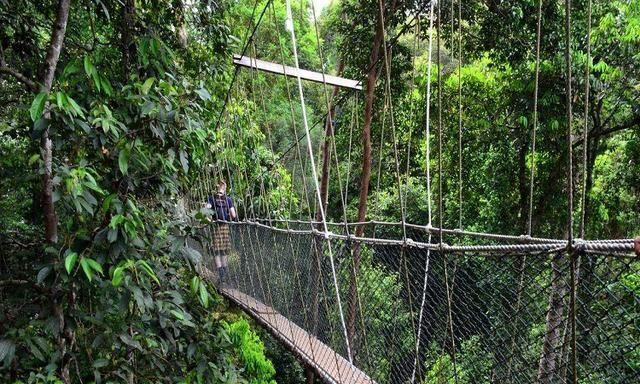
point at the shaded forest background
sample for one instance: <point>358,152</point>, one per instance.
<point>110,112</point>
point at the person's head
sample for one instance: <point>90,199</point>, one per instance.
<point>222,186</point>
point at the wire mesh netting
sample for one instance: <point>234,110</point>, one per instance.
<point>409,314</point>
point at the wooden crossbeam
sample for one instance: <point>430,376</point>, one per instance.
<point>280,69</point>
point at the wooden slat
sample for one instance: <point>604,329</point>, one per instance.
<point>280,69</point>
<point>333,368</point>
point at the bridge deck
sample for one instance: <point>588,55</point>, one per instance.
<point>324,360</point>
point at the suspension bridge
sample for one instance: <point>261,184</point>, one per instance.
<point>399,302</point>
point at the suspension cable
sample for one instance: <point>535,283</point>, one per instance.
<point>428,177</point>
<point>244,49</point>
<point>291,28</point>
<point>459,113</point>
<point>570,250</point>
<point>440,190</point>
<point>585,132</point>
<point>535,118</point>
<point>387,64</point>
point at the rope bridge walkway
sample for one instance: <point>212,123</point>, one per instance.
<point>396,302</point>
<point>324,360</point>
<point>426,316</point>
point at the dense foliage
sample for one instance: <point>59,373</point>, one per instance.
<point>130,115</point>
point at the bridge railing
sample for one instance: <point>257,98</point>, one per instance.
<point>412,314</point>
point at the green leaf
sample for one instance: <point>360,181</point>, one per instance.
<point>123,160</point>
<point>147,107</point>
<point>177,314</point>
<point>70,261</point>
<point>107,202</point>
<point>60,100</point>
<point>35,351</point>
<point>70,69</point>
<point>147,268</point>
<point>99,363</point>
<point>147,85</point>
<point>75,108</point>
<point>106,86</point>
<point>203,93</point>
<point>94,265</point>
<point>86,267</point>
<point>96,80</point>
<point>37,106</point>
<point>34,158</point>
<point>118,275</point>
<point>204,295</point>
<point>195,283</point>
<point>42,274</point>
<point>89,69</point>
<point>112,235</point>
<point>130,342</point>
<point>184,161</point>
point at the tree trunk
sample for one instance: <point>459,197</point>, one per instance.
<point>550,347</point>
<point>364,180</point>
<point>46,146</point>
<point>181,29</point>
<point>593,145</point>
<point>65,336</point>
<point>127,32</point>
<point>326,147</point>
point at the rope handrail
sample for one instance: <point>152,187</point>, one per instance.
<point>621,245</point>
<point>458,232</point>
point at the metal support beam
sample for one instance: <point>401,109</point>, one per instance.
<point>281,69</point>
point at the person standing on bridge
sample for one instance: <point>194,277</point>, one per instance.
<point>223,212</point>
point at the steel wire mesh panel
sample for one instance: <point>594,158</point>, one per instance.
<point>463,317</point>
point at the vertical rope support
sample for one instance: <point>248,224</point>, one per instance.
<point>387,60</point>
<point>440,197</point>
<point>535,118</point>
<point>290,27</point>
<point>460,114</point>
<point>585,132</point>
<point>570,250</point>
<point>428,177</point>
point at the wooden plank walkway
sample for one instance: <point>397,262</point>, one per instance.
<point>332,367</point>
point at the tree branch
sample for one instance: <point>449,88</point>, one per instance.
<point>31,85</point>
<point>635,121</point>
<point>629,124</point>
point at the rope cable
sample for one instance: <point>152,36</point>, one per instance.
<point>428,180</point>
<point>535,119</point>
<point>440,190</point>
<point>570,249</point>
<point>387,59</point>
<point>460,210</point>
<point>585,132</point>
<point>328,103</point>
<point>291,28</point>
<point>244,50</point>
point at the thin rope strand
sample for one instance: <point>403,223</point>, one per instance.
<point>585,133</point>
<point>387,59</point>
<point>315,175</point>
<point>459,113</point>
<point>428,175</point>
<point>535,119</point>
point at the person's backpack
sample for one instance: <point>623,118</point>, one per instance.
<point>220,206</point>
